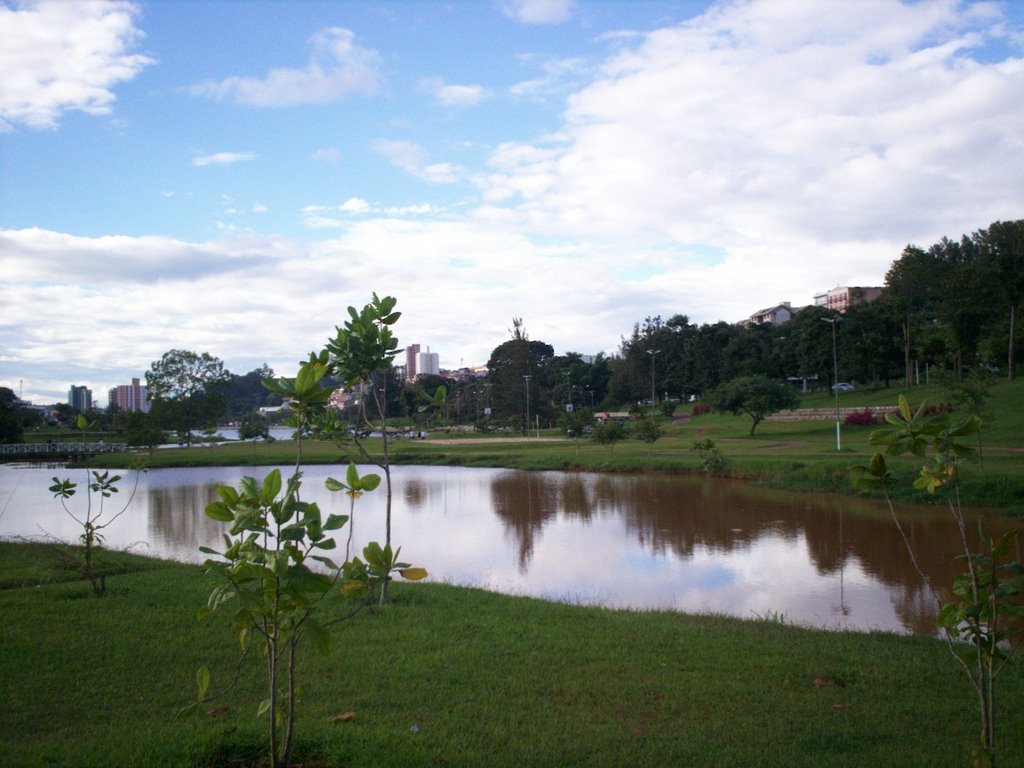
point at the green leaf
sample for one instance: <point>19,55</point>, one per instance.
<point>228,495</point>
<point>370,482</point>
<point>353,476</point>
<point>334,522</point>
<point>271,487</point>
<point>202,681</point>
<point>375,557</point>
<point>904,408</point>
<point>334,485</point>
<point>263,708</point>
<point>217,510</point>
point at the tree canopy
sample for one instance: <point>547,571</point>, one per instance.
<point>186,390</point>
<point>756,396</point>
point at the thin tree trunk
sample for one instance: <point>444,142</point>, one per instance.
<point>289,726</point>
<point>908,370</point>
<point>1013,338</point>
<point>272,674</point>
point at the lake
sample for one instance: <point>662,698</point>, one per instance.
<point>637,541</point>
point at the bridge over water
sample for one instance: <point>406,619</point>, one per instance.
<point>43,451</point>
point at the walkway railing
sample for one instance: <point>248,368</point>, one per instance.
<point>53,450</point>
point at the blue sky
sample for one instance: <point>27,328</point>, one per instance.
<point>228,177</point>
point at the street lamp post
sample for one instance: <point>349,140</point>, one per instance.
<point>652,353</point>
<point>835,375</point>
<point>526,378</point>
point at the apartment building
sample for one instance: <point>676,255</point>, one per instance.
<point>80,398</point>
<point>129,397</point>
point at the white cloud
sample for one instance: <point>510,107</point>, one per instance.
<point>539,11</point>
<point>557,77</point>
<point>323,216</point>
<point>354,205</point>
<point>58,56</point>
<point>449,95</point>
<point>815,137</point>
<point>328,155</point>
<point>222,158</point>
<point>758,153</point>
<point>337,68</point>
<point>412,157</point>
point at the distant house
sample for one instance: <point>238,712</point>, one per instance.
<point>777,315</point>
<point>842,297</point>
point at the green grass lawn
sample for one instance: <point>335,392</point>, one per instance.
<point>448,676</point>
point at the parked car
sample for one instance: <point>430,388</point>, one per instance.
<point>843,386</point>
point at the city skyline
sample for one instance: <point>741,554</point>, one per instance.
<point>229,177</point>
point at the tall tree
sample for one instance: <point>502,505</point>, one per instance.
<point>186,390</point>
<point>909,284</point>
<point>967,297</point>
<point>869,344</point>
<point>631,375</point>
<point>1003,244</point>
<point>246,393</point>
<point>11,430</point>
<point>812,340</point>
<point>509,365</point>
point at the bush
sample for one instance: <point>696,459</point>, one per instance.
<point>865,418</point>
<point>712,462</point>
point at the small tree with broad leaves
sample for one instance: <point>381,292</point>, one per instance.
<point>982,618</point>
<point>101,487</point>
<point>277,568</point>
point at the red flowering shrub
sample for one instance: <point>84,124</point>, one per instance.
<point>865,418</point>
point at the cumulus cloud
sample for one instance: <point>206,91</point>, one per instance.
<point>39,255</point>
<point>58,56</point>
<point>337,68</point>
<point>222,158</point>
<point>413,158</point>
<point>539,11</point>
<point>450,95</point>
<point>789,132</point>
<point>757,153</point>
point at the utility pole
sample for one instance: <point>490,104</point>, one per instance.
<point>652,353</point>
<point>835,375</point>
<point>526,378</point>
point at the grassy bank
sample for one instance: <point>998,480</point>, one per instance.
<point>461,677</point>
<point>793,455</point>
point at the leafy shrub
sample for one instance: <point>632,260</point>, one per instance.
<point>712,461</point>
<point>647,430</point>
<point>865,418</point>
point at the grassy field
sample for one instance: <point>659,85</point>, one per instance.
<point>794,455</point>
<point>448,676</point>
